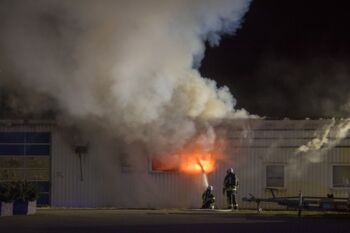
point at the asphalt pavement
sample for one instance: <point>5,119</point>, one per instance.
<point>183,221</point>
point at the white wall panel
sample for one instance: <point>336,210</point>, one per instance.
<point>254,145</point>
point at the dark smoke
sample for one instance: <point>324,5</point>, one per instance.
<point>290,59</point>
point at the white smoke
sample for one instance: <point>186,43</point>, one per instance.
<point>321,139</point>
<point>329,137</point>
<point>126,64</point>
<point>315,150</point>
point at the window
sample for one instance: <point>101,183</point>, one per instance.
<point>275,176</point>
<point>341,176</point>
<point>125,164</point>
<point>165,164</point>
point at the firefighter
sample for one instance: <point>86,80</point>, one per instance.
<point>208,198</point>
<point>230,188</point>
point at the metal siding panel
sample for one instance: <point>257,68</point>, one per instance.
<point>178,188</point>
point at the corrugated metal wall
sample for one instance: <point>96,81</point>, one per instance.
<point>253,145</point>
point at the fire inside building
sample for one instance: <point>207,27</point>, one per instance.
<point>263,153</point>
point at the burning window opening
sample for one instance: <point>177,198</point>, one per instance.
<point>197,157</point>
<point>190,163</point>
<point>164,164</point>
<point>198,163</point>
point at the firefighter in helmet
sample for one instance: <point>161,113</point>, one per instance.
<point>208,198</point>
<point>230,188</point>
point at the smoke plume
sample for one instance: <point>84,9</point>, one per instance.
<point>321,139</point>
<point>329,137</point>
<point>131,65</point>
<point>316,149</point>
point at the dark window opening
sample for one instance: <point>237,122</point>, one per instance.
<point>341,176</point>
<point>275,176</point>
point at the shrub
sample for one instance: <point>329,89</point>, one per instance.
<point>7,192</point>
<point>25,191</point>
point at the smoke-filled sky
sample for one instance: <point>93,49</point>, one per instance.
<point>130,66</point>
<point>289,59</point>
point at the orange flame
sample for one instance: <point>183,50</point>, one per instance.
<point>197,163</point>
<point>192,159</point>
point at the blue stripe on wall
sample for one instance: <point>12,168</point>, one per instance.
<point>43,199</point>
<point>21,150</point>
<point>42,186</point>
<point>37,150</point>
<point>43,189</point>
<point>12,137</point>
<point>12,150</point>
<point>25,137</point>
<point>21,139</point>
<point>38,137</point>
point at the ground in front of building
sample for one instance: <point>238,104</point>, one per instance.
<point>114,220</point>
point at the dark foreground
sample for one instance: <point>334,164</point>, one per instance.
<point>193,221</point>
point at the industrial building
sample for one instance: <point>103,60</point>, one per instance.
<point>262,152</point>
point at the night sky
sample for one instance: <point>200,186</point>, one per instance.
<point>289,59</point>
